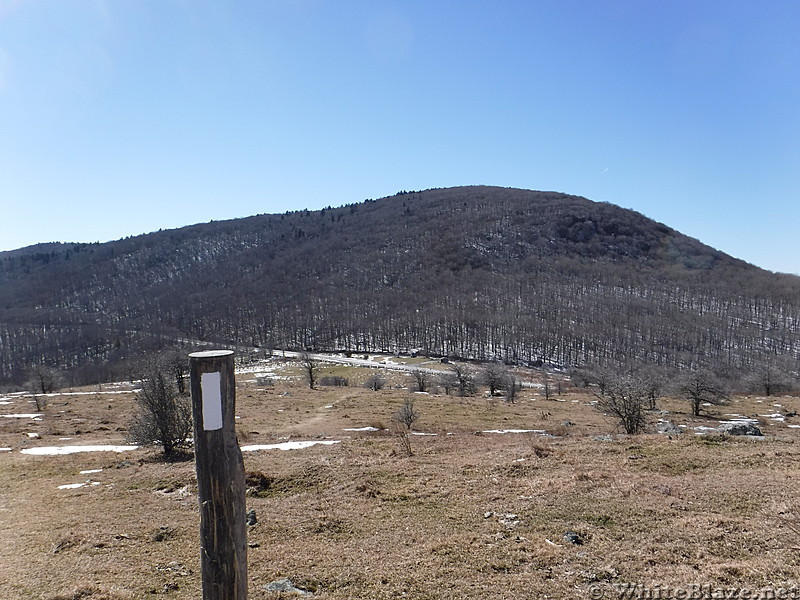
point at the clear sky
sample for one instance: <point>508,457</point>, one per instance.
<point>120,117</point>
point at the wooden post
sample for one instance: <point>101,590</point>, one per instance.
<point>220,477</point>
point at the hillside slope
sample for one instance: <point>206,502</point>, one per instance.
<point>479,272</point>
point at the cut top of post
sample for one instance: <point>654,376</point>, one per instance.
<point>211,354</point>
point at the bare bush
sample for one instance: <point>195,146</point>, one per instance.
<point>403,420</point>
<point>403,438</point>
<point>625,398</point>
<point>375,382</point>
<point>464,379</point>
<point>163,415</point>
<point>448,382</point>
<point>494,377</point>
<point>422,380</point>
<point>406,415</point>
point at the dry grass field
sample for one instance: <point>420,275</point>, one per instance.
<point>470,515</point>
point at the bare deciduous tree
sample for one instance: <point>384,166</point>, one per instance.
<point>422,379</point>
<point>770,377</point>
<point>602,377</point>
<point>547,389</point>
<point>39,401</point>
<point>178,365</point>
<point>511,386</point>
<point>44,379</point>
<point>701,387</point>
<point>464,379</point>
<point>310,366</point>
<point>494,377</point>
<point>448,381</point>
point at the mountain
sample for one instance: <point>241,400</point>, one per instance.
<point>473,272</point>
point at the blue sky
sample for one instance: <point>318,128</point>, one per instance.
<point>122,117</point>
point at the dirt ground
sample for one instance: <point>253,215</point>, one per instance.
<point>571,510</point>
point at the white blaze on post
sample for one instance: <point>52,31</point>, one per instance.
<point>211,386</point>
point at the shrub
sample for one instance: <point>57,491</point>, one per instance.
<point>163,415</point>
<point>375,382</point>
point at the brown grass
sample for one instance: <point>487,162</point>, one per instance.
<point>468,515</point>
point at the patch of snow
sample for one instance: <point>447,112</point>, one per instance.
<point>58,450</point>
<point>421,433</point>
<point>22,416</point>
<point>423,393</point>
<point>88,471</point>
<point>9,449</point>
<point>701,429</point>
<point>95,393</point>
<point>514,431</point>
<point>287,445</point>
<point>367,428</point>
<point>74,486</point>
<point>258,371</point>
<point>329,406</point>
<point>775,417</point>
<point>34,435</point>
<point>794,426</point>
<point>778,405</point>
<point>5,401</point>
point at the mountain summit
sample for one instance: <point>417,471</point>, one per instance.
<point>474,272</point>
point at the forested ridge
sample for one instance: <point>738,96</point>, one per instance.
<point>474,272</point>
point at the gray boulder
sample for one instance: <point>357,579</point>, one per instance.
<point>285,586</point>
<point>740,428</point>
<point>669,428</point>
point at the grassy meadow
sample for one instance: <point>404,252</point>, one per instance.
<point>471,514</point>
